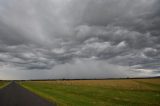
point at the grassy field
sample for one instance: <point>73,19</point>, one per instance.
<point>3,83</point>
<point>126,92</point>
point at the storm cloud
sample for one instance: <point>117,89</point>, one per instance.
<point>69,39</point>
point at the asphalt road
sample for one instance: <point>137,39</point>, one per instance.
<point>15,95</point>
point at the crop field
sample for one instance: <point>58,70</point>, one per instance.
<point>122,92</point>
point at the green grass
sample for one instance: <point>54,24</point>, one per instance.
<point>98,92</point>
<point>3,84</point>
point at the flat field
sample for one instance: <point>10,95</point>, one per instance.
<point>3,83</point>
<point>122,92</point>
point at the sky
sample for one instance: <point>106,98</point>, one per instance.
<point>79,39</point>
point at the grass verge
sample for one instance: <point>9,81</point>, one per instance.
<point>3,84</point>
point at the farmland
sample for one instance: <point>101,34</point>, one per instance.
<point>128,92</point>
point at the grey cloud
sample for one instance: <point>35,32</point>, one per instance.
<point>53,35</point>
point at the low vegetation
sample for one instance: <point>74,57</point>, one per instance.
<point>126,92</point>
<point>3,83</point>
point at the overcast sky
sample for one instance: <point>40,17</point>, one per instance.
<point>79,38</point>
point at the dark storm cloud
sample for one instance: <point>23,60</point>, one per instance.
<point>69,38</point>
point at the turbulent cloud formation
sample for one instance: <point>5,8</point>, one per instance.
<point>79,39</point>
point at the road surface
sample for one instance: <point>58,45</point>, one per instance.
<point>15,95</point>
